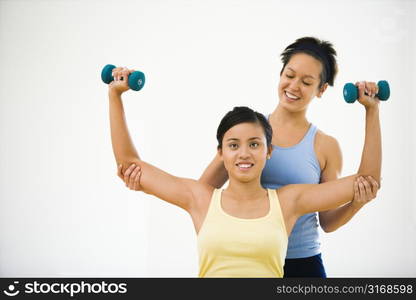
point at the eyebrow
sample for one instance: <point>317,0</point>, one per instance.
<point>303,76</point>
<point>250,139</point>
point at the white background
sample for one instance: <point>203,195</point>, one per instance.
<point>63,211</point>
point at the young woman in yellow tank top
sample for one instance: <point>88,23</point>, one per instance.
<point>242,230</point>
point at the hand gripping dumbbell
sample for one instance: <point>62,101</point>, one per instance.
<point>351,91</point>
<point>135,81</point>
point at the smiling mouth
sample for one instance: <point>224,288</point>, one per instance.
<point>244,166</point>
<point>291,96</point>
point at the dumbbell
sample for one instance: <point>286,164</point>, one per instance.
<point>351,91</point>
<point>136,79</point>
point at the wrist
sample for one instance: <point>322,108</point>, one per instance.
<point>355,207</point>
<point>372,109</point>
<point>114,94</point>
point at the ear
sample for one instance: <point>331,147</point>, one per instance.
<point>269,151</point>
<point>322,90</point>
<point>219,151</point>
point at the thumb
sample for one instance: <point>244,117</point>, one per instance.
<point>120,170</point>
<point>361,89</point>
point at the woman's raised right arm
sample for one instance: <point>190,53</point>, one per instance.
<point>178,191</point>
<point>123,148</point>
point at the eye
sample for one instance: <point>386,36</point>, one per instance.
<point>289,76</point>
<point>307,83</point>
<point>254,145</point>
<point>233,146</point>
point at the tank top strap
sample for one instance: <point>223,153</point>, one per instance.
<point>275,208</point>
<point>310,135</point>
<point>215,205</point>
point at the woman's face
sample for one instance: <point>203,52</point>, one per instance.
<point>244,151</point>
<point>299,82</point>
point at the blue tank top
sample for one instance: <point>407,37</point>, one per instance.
<point>292,165</point>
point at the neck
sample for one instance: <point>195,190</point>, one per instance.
<point>245,191</point>
<point>283,117</point>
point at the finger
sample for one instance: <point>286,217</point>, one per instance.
<point>115,73</point>
<point>137,181</point>
<point>361,89</point>
<point>372,86</point>
<point>369,88</point>
<point>134,173</point>
<point>366,87</point>
<point>120,171</point>
<point>356,191</point>
<point>124,74</point>
<point>120,73</point>
<point>131,180</point>
<point>368,192</point>
<point>127,173</point>
<point>132,176</point>
<point>374,185</point>
<point>362,189</point>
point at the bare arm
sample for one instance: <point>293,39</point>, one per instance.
<point>332,194</point>
<point>123,148</point>
<point>178,191</point>
<point>364,191</point>
<point>215,174</point>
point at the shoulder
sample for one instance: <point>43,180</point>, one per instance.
<point>329,149</point>
<point>326,141</point>
<point>327,145</point>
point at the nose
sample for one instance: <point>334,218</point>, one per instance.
<point>244,152</point>
<point>294,84</point>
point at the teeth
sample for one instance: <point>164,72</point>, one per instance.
<point>244,165</point>
<point>291,96</point>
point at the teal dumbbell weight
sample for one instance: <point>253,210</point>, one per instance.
<point>136,79</point>
<point>351,91</point>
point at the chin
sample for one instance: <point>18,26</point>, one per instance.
<point>245,178</point>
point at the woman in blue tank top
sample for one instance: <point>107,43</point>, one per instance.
<point>302,153</point>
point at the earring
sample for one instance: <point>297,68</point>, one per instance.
<point>268,156</point>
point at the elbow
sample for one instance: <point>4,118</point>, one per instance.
<point>327,229</point>
<point>327,224</point>
<point>377,179</point>
<point>128,161</point>
<point>124,164</point>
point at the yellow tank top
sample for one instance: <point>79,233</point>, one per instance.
<point>234,247</point>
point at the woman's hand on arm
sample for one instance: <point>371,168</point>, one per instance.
<point>182,192</point>
<point>131,176</point>
<point>310,198</point>
<point>331,220</point>
<point>214,175</point>
<point>365,190</point>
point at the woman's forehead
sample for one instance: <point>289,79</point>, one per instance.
<point>245,131</point>
<point>304,63</point>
